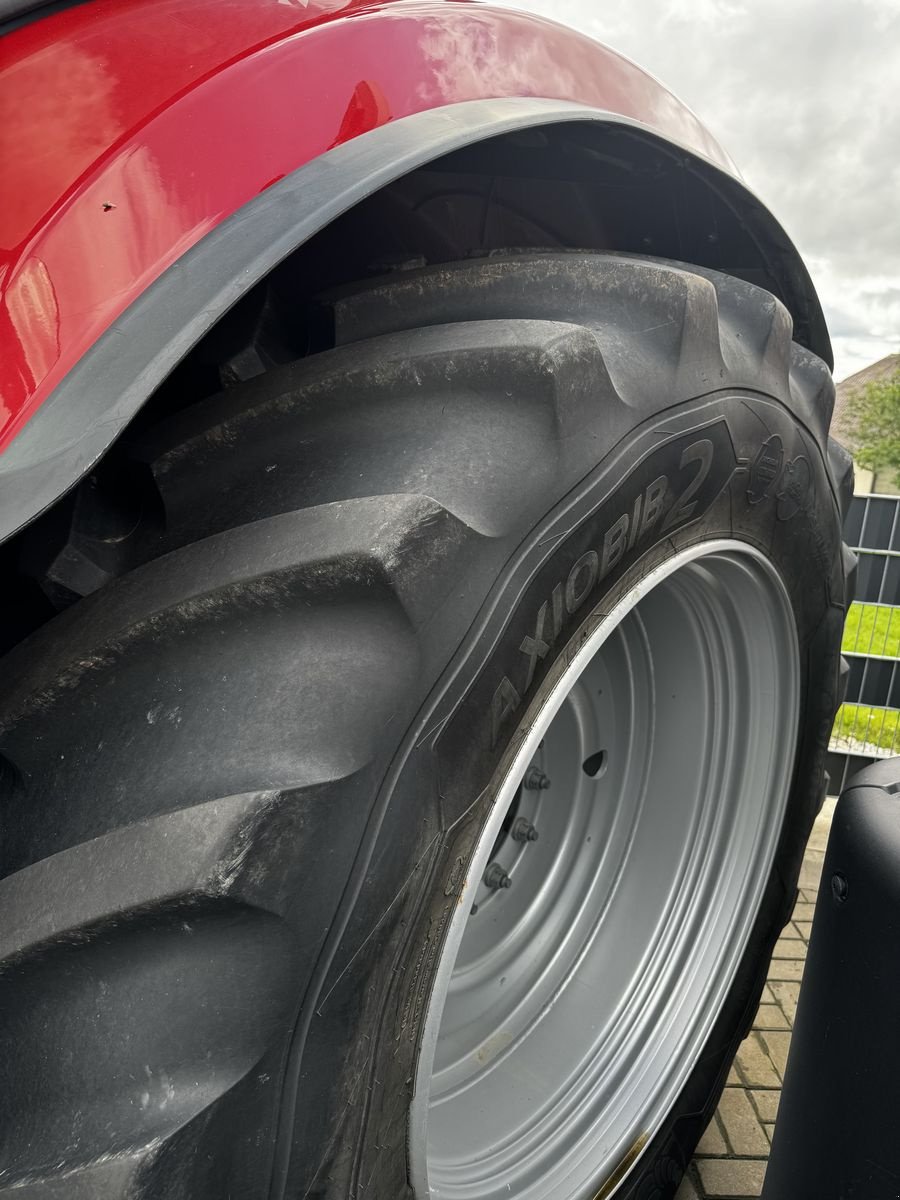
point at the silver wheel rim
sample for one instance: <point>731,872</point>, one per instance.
<point>572,1001</point>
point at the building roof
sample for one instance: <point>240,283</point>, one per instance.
<point>878,370</point>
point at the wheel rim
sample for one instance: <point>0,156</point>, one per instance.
<point>571,1002</point>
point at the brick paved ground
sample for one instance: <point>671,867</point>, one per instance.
<point>731,1159</point>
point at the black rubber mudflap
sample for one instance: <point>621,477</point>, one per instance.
<point>235,779</point>
<point>836,1133</point>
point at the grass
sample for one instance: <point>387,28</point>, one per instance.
<point>864,725</point>
<point>873,629</point>
<point>870,629</point>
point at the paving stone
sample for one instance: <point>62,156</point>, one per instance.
<point>777,1044</point>
<point>742,1127</point>
<point>804,912</point>
<point>755,1065</point>
<point>766,1103</point>
<point>733,1151</point>
<point>687,1191</point>
<point>732,1176</point>
<point>712,1144</point>
<point>818,838</point>
<point>786,994</point>
<point>811,871</point>
<point>789,948</point>
<point>770,1016</point>
<point>786,970</point>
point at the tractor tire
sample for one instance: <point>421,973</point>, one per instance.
<point>417,815</point>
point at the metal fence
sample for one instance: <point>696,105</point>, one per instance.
<point>867,724</point>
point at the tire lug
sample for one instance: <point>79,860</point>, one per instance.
<point>535,780</point>
<point>495,877</point>
<point>523,830</point>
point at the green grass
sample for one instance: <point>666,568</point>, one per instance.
<point>870,629</point>
<point>861,724</point>
<point>873,629</point>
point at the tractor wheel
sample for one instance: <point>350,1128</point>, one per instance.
<point>416,817</point>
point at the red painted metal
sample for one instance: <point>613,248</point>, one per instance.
<point>130,128</point>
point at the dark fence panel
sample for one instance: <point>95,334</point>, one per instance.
<point>867,726</point>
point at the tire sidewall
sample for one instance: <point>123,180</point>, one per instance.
<point>737,466</point>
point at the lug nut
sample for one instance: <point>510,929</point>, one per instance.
<point>495,877</point>
<point>535,780</point>
<point>523,830</point>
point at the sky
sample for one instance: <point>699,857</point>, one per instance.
<point>805,97</point>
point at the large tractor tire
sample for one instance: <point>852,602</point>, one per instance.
<point>416,817</point>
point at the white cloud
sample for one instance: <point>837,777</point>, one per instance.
<point>802,94</point>
<point>851,354</point>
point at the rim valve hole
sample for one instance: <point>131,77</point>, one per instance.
<point>595,764</point>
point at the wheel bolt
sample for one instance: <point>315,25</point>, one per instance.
<point>535,780</point>
<point>523,830</point>
<point>495,877</point>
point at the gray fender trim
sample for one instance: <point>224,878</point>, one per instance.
<point>87,411</point>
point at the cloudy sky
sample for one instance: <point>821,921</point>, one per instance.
<point>805,96</point>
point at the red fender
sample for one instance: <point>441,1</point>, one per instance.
<point>131,128</point>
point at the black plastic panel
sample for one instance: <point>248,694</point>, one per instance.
<point>836,1134</point>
